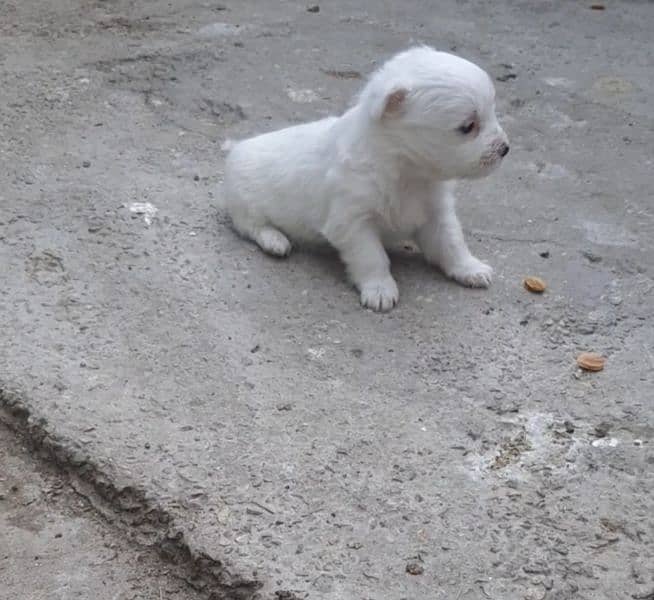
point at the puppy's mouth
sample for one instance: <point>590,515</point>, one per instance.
<point>493,156</point>
<point>490,161</point>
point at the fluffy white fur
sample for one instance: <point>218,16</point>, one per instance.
<point>380,173</point>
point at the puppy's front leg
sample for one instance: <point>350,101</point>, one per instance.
<point>368,265</point>
<point>442,242</point>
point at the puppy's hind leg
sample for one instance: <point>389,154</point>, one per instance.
<point>272,241</point>
<point>268,238</point>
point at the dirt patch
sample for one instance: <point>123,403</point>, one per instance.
<point>511,450</point>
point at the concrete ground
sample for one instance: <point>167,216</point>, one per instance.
<point>242,414</point>
<point>55,546</point>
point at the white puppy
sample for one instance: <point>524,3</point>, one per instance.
<point>381,173</point>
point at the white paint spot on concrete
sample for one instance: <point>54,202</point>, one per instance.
<point>477,466</point>
<point>316,353</point>
<point>223,515</point>
<point>608,234</point>
<point>302,96</point>
<point>216,30</point>
<point>335,384</point>
<point>536,427</point>
<point>552,171</point>
<point>146,209</point>
<point>613,86</point>
<point>565,122</point>
<point>559,82</point>
<point>605,443</point>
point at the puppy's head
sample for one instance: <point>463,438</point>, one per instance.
<point>438,111</point>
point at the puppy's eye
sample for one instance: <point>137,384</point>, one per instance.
<point>467,128</point>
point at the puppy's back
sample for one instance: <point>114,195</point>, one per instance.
<point>275,177</point>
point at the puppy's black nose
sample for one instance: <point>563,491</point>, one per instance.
<point>504,149</point>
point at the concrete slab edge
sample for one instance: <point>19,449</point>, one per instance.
<point>126,505</point>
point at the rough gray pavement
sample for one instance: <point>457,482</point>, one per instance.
<point>55,547</point>
<point>449,449</point>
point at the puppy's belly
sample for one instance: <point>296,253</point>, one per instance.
<point>393,239</point>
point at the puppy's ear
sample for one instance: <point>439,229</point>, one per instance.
<point>391,105</point>
<point>395,102</point>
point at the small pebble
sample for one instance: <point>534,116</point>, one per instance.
<point>313,9</point>
<point>196,178</point>
<point>413,568</point>
<point>591,256</point>
<point>545,254</point>
<point>586,328</point>
<point>569,426</point>
<point>602,429</point>
<point>86,164</point>
<point>615,299</point>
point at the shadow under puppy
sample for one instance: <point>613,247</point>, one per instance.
<point>382,172</point>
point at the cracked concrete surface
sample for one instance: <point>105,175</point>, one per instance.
<point>450,449</point>
<point>55,546</point>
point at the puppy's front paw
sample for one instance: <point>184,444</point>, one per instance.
<point>472,273</point>
<point>380,294</point>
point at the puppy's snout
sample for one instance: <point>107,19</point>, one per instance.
<point>503,149</point>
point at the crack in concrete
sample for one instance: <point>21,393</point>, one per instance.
<point>127,507</point>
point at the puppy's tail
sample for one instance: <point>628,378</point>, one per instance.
<point>226,147</point>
